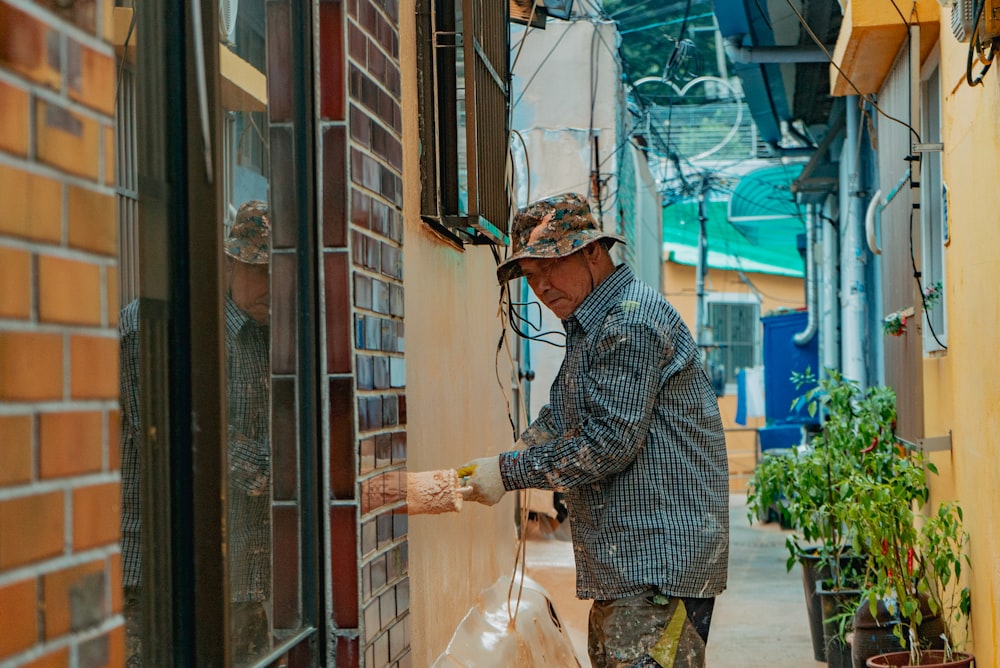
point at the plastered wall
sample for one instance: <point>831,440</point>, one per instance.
<point>456,407</point>
<point>962,391</point>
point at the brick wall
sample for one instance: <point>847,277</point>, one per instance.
<point>361,181</point>
<point>60,602</point>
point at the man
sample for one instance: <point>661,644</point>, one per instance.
<point>247,312</point>
<point>633,437</point>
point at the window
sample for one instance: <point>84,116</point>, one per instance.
<point>464,84</point>
<point>933,221</point>
<point>221,529</point>
<point>734,326</point>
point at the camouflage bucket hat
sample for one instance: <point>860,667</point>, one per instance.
<point>554,227</point>
<point>249,238</point>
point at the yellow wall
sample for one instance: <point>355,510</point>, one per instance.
<point>967,398</point>
<point>775,292</point>
<point>455,407</point>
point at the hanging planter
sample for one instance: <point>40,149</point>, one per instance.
<point>894,324</point>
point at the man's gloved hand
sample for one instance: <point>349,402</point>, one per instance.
<point>483,483</point>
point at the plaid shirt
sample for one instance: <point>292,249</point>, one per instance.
<point>634,438</point>
<point>248,383</point>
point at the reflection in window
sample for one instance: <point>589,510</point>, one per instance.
<point>247,307</point>
<point>247,312</point>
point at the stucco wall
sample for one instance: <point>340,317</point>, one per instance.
<point>970,402</point>
<point>456,408</point>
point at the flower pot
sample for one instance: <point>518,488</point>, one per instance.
<point>815,570</point>
<point>838,653</point>
<point>930,658</point>
<point>874,636</point>
<point>833,605</point>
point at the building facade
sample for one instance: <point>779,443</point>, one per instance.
<point>132,135</point>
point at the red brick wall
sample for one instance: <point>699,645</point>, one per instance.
<point>59,493</point>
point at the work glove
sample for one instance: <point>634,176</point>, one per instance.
<point>481,481</point>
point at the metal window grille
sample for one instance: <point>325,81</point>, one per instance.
<point>734,331</point>
<point>126,189</point>
<point>463,75</point>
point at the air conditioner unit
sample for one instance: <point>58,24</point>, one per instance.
<point>227,19</point>
<point>962,19</point>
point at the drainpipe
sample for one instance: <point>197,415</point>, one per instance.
<point>812,322</point>
<point>773,54</point>
<point>853,290</point>
<point>829,344</point>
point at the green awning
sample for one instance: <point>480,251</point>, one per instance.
<point>753,228</point>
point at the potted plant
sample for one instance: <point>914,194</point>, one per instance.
<point>914,562</point>
<point>806,484</point>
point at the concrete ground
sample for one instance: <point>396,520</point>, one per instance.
<point>760,621</point>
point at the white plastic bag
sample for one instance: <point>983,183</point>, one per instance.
<point>487,639</point>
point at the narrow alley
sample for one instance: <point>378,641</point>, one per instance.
<point>759,621</point>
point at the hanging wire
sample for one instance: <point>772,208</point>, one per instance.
<point>829,57</point>
<point>920,286</point>
<point>975,46</point>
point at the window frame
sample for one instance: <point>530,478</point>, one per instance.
<point>450,35</point>
<point>185,602</point>
<point>932,210</point>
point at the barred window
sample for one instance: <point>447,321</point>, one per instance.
<point>735,328</point>
<point>464,86</point>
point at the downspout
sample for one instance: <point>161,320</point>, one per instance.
<point>829,345</point>
<point>812,322</point>
<point>853,290</point>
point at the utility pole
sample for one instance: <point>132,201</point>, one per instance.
<point>701,318</point>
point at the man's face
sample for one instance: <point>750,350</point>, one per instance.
<point>559,283</point>
<point>249,287</point>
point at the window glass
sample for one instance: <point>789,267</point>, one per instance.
<point>262,536</point>
<point>932,213</point>
<point>247,314</point>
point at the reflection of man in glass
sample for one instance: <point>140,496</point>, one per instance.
<point>247,311</point>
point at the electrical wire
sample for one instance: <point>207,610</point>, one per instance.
<point>829,57</point>
<point>527,29</point>
<point>538,69</point>
<point>524,495</point>
<point>920,286</point>
<point>679,57</point>
<point>976,47</point>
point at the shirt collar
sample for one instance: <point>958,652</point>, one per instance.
<point>590,313</point>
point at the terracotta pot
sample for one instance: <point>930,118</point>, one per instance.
<point>930,658</point>
<point>873,635</point>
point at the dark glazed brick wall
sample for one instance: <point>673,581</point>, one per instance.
<point>361,173</point>
<point>331,59</point>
